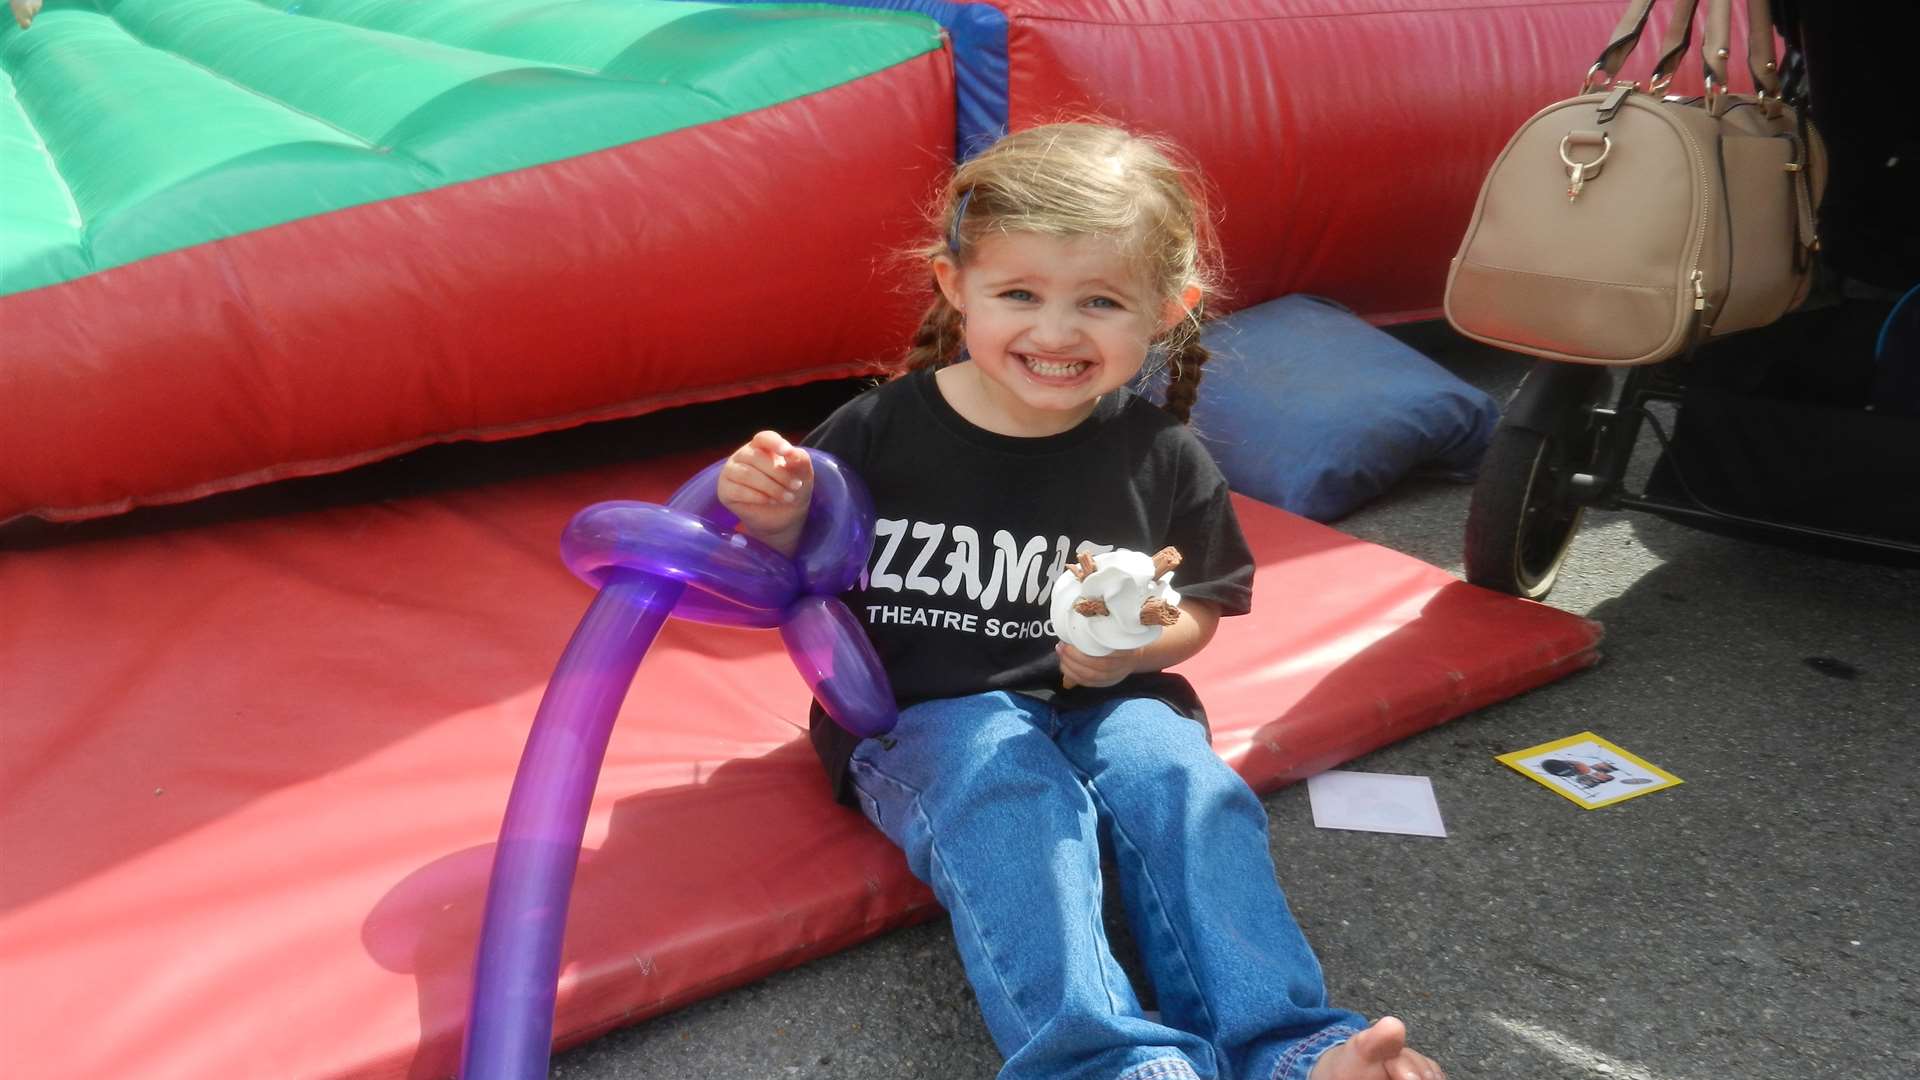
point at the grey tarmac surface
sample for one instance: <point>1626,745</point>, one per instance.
<point>1756,922</point>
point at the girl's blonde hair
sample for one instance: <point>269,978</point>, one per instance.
<point>1081,179</point>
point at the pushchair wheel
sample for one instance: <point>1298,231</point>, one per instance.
<point>1525,507</point>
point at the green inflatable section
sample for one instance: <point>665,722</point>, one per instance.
<point>134,127</point>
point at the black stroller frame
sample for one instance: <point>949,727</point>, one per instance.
<point>1564,445</point>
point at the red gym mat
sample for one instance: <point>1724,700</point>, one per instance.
<point>251,772</point>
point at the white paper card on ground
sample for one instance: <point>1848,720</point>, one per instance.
<point>1375,802</point>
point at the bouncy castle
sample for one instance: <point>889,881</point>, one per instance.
<point>256,748</point>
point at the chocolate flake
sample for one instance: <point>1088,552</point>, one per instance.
<point>1157,612</point>
<point>1164,561</point>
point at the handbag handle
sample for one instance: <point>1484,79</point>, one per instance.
<point>1760,59</point>
<point>1760,56</point>
<point>1627,34</point>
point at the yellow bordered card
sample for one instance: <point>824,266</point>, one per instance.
<point>1589,770</point>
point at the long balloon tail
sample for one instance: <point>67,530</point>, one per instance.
<point>510,1023</point>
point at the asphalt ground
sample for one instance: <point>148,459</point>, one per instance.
<point>1755,922</point>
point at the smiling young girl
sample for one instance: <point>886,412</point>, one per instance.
<point>1066,255</point>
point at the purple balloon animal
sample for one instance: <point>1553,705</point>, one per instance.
<point>643,557</point>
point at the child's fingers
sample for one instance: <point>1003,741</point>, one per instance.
<point>1075,666</point>
<point>799,469</point>
<point>760,456</point>
<point>772,454</point>
<point>773,444</point>
<point>1069,667</point>
<point>1087,670</point>
<point>748,482</point>
<point>765,450</point>
<point>787,464</point>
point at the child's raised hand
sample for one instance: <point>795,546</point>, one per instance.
<point>768,485</point>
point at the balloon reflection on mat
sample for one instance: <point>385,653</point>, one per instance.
<point>650,561</point>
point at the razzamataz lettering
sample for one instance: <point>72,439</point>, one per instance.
<point>1015,571</point>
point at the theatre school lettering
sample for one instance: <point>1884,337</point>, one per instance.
<point>964,621</point>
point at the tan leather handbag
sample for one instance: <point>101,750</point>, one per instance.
<point>1624,227</point>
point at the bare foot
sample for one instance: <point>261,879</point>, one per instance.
<point>1378,1053</point>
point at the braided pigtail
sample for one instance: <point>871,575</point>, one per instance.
<point>1186,359</point>
<point>938,339</point>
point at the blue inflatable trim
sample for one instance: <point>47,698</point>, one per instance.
<point>1309,407</point>
<point>978,33</point>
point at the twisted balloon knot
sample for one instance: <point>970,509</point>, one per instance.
<point>733,579</point>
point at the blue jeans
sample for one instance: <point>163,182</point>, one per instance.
<point>1003,805</point>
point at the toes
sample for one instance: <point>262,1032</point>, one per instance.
<point>1411,1066</point>
<point>1382,1042</point>
<point>1425,1068</point>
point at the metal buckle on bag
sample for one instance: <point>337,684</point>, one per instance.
<point>1589,86</point>
<point>1579,171</point>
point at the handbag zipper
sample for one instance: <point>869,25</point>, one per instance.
<point>1695,275</point>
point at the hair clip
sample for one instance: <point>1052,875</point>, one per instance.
<point>959,212</point>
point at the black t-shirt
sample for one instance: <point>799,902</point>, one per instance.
<point>973,527</point>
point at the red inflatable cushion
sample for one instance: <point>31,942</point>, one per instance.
<point>251,773</point>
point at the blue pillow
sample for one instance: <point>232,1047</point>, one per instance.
<point>1311,408</point>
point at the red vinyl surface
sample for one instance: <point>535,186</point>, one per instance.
<point>1345,140</point>
<point>251,772</point>
<point>593,287</point>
